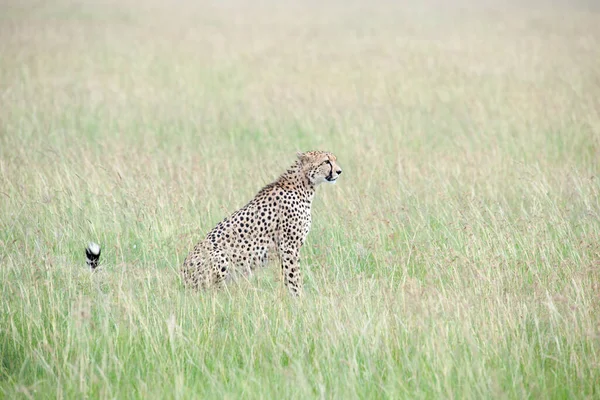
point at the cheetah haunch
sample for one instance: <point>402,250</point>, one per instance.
<point>277,219</point>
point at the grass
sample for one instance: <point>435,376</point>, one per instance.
<point>458,256</point>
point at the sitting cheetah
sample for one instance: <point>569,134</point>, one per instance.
<point>277,219</point>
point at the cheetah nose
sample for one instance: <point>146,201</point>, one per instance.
<point>339,171</point>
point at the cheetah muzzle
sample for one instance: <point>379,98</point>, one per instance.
<point>276,221</point>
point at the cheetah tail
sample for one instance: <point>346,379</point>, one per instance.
<point>92,255</point>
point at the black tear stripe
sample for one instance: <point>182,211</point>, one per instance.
<point>330,176</point>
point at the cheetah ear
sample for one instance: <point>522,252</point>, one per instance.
<point>303,157</point>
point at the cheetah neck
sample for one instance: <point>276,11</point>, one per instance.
<point>296,180</point>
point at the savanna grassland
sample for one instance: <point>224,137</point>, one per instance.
<point>457,257</point>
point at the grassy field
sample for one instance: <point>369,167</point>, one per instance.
<point>457,257</point>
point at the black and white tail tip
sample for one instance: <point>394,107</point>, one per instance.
<point>92,255</point>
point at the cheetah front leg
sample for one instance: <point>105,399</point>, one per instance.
<point>292,277</point>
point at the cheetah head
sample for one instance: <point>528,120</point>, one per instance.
<point>319,166</point>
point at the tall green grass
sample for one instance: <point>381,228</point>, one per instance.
<point>457,257</point>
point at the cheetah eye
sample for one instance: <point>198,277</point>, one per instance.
<point>327,162</point>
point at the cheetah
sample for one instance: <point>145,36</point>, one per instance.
<point>273,224</point>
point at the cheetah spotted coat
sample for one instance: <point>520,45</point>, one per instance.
<point>277,220</point>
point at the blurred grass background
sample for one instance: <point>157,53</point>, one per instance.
<point>458,256</point>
